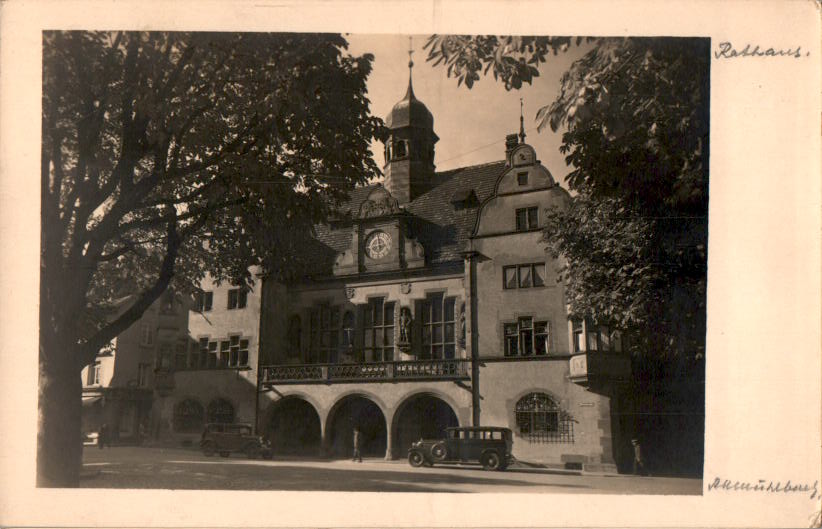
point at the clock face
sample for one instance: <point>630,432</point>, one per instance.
<point>378,245</point>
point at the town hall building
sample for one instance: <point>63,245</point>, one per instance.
<point>431,302</point>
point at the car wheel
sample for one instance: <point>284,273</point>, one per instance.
<point>439,451</point>
<point>252,451</point>
<point>208,449</point>
<point>225,454</point>
<point>490,461</point>
<point>415,459</point>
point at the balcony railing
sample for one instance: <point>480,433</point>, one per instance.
<point>397,371</point>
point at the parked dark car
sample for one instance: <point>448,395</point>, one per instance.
<point>489,446</point>
<point>225,438</point>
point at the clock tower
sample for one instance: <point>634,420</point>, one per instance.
<point>409,147</point>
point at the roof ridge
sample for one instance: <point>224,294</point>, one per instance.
<point>485,164</point>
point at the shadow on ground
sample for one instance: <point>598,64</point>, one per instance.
<point>232,476</point>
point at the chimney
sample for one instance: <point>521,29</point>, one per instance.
<point>511,142</point>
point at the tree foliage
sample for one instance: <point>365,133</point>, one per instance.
<point>167,155</point>
<point>635,117</point>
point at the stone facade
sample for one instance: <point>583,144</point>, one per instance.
<point>431,302</point>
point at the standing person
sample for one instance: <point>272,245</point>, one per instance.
<point>639,463</point>
<point>357,442</point>
<point>102,436</point>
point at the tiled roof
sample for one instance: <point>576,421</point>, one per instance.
<point>440,225</point>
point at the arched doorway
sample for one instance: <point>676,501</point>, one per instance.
<point>294,427</point>
<point>421,416</point>
<point>359,411</point>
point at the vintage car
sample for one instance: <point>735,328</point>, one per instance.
<point>488,445</point>
<point>224,438</point>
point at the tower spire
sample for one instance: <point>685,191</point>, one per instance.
<point>521,123</point>
<point>410,93</point>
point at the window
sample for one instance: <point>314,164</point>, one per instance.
<point>181,354</point>
<point>142,374</point>
<point>188,416</point>
<point>348,330</point>
<point>203,301</point>
<point>237,298</point>
<point>522,178</point>
<point>540,420</point>
<point>295,330</point>
<point>220,410</point>
<point>526,337</point>
<point>325,334</point>
<point>207,356</point>
<point>378,330</point>
<point>596,337</point>
<point>146,334</point>
<point>523,276</point>
<point>527,219</point>
<point>237,352</point>
<point>400,149</point>
<point>438,327</point>
<point>93,377</point>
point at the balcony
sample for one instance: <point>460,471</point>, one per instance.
<point>595,368</point>
<point>451,369</point>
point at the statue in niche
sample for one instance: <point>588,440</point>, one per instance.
<point>462,326</point>
<point>404,341</point>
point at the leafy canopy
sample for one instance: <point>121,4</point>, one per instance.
<point>166,155</point>
<point>635,117</point>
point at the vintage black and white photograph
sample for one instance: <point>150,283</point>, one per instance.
<point>352,262</point>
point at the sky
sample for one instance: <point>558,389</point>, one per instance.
<point>471,124</point>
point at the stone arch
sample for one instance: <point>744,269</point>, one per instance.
<point>188,416</point>
<point>366,412</point>
<point>422,414</point>
<point>293,425</point>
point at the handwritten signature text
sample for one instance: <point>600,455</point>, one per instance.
<point>764,485</point>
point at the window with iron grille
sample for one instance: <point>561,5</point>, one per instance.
<point>220,410</point>
<point>437,327</point>
<point>188,416</point>
<point>378,330</point>
<point>540,420</point>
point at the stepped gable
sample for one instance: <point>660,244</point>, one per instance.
<point>437,223</point>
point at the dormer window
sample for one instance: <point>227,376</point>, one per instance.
<point>522,178</point>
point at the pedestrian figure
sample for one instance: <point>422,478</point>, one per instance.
<point>357,440</point>
<point>639,463</point>
<point>102,436</point>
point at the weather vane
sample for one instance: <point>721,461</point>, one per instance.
<point>521,123</point>
<point>410,51</point>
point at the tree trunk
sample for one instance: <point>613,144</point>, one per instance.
<point>59,443</point>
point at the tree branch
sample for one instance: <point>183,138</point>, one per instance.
<point>92,346</point>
